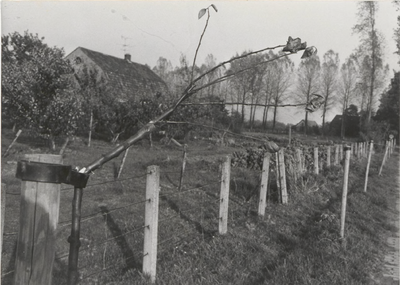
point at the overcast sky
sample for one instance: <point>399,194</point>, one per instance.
<point>150,29</point>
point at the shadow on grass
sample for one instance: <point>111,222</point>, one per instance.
<point>127,252</point>
<point>199,228</point>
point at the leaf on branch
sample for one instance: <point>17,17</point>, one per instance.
<point>215,8</point>
<point>294,45</point>
<point>315,102</point>
<point>202,12</point>
<point>310,51</point>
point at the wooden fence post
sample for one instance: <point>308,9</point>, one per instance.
<point>337,154</point>
<point>282,176</point>
<point>264,185</point>
<point>38,221</point>
<point>184,156</point>
<point>224,196</point>
<point>328,156</point>
<point>316,165</point>
<point>344,193</point>
<point>371,147</point>
<point>3,209</point>
<point>290,135</point>
<point>384,158</point>
<point>151,222</point>
<point>341,152</point>
<point>299,160</point>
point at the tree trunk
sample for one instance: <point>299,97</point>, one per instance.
<point>306,124</point>
<point>90,127</point>
<point>52,144</point>
<point>275,112</point>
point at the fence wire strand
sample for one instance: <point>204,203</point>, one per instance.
<point>108,182</point>
<point>189,189</point>
<point>95,215</point>
<point>114,238</point>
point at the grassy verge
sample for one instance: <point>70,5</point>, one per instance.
<point>296,243</point>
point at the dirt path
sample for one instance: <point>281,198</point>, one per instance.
<point>392,265</point>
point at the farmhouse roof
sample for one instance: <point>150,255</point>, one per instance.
<point>124,76</point>
<point>310,123</point>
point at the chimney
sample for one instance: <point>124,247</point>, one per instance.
<point>127,57</point>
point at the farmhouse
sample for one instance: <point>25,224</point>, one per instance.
<point>128,79</point>
<point>351,125</point>
<point>299,127</point>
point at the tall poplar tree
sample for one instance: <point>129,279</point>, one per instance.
<point>329,73</point>
<point>370,53</point>
<point>308,82</point>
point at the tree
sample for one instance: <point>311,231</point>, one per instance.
<point>370,52</point>
<point>329,72</point>
<point>36,87</point>
<point>347,87</point>
<point>389,107</point>
<point>397,31</point>
<point>282,74</point>
<point>307,82</point>
<point>248,84</point>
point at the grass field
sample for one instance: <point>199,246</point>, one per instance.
<point>297,243</point>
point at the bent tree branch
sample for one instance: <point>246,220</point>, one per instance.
<point>187,93</point>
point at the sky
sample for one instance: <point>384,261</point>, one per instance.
<point>149,30</point>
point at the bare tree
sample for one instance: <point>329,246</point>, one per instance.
<point>347,87</point>
<point>282,76</point>
<point>370,52</point>
<point>307,82</point>
<point>329,72</point>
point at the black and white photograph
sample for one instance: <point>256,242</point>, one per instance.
<point>200,142</point>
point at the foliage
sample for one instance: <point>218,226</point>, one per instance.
<point>389,108</point>
<point>197,115</point>
<point>308,82</point>
<point>36,86</point>
<point>248,84</point>
<point>370,53</point>
<point>329,72</point>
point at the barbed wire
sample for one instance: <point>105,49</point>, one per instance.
<point>189,189</point>
<point>108,181</point>
<point>113,238</point>
<point>217,129</point>
<point>187,211</point>
<point>94,215</point>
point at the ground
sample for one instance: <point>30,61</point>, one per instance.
<point>296,243</point>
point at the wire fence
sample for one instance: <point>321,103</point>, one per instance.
<point>113,230</point>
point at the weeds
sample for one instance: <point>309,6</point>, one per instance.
<point>297,243</point>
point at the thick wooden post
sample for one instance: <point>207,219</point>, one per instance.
<point>371,147</point>
<point>224,196</point>
<point>151,222</point>
<point>38,221</point>
<point>337,155</point>
<point>282,176</point>
<point>264,185</point>
<point>316,164</point>
<point>344,193</point>
<point>290,135</point>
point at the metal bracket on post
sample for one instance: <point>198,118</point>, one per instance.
<point>50,173</point>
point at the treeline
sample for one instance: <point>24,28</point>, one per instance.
<point>41,93</point>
